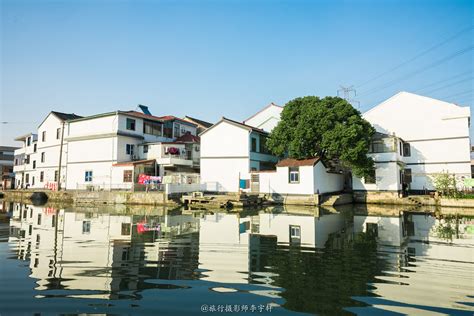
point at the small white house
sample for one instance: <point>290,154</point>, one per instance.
<point>230,150</point>
<point>298,177</point>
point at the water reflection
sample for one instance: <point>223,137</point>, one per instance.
<point>146,261</point>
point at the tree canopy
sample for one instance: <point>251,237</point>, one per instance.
<point>330,128</point>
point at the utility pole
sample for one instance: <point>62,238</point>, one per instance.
<point>60,157</point>
<point>347,93</point>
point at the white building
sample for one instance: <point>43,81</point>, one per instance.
<point>37,161</point>
<point>435,138</point>
<point>267,118</point>
<point>110,150</point>
<point>7,154</point>
<point>298,177</point>
<point>230,151</point>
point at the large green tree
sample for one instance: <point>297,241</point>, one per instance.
<point>330,128</point>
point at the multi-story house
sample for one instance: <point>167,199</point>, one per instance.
<point>111,150</point>
<point>390,172</point>
<point>23,167</point>
<point>425,137</point>
<point>230,150</point>
<point>6,166</point>
<point>41,161</point>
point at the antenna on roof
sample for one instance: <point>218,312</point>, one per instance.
<point>144,109</point>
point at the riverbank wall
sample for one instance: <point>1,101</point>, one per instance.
<point>162,198</point>
<point>95,197</point>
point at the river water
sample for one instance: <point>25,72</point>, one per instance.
<point>274,261</point>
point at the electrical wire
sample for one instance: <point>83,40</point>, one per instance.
<point>462,31</point>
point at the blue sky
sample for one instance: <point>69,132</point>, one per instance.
<point>224,58</point>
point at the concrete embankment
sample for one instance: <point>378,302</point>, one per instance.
<point>391,198</point>
<point>94,197</point>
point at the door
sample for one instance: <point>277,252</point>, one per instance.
<point>255,183</point>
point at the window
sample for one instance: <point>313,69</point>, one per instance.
<point>56,176</point>
<point>27,178</point>
<point>176,130</point>
<point>295,234</point>
<point>39,219</point>
<point>34,164</point>
<point>41,176</point>
<point>406,150</point>
<point>295,231</point>
<point>152,128</point>
<point>42,157</point>
<point>370,178</point>
<point>27,159</point>
<point>145,149</point>
<point>130,149</point>
<point>372,229</point>
<point>130,124</point>
<point>58,133</point>
<point>253,145</point>
<point>32,180</point>
<point>88,176</point>
<point>86,227</point>
<point>35,146</point>
<point>43,136</point>
<point>127,175</point>
<point>263,145</point>
<point>28,141</point>
<point>293,174</point>
<point>401,148</point>
<point>407,177</point>
<point>126,229</point>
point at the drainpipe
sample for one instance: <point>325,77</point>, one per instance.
<point>60,157</point>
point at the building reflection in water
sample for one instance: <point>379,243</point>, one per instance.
<point>316,260</point>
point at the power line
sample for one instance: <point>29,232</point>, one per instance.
<point>449,85</point>
<point>418,71</point>
<point>444,80</point>
<point>457,94</point>
<point>417,56</point>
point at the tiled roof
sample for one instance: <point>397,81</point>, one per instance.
<point>290,162</point>
<point>132,163</point>
<point>188,138</point>
<point>245,125</point>
<point>66,116</point>
<point>199,122</point>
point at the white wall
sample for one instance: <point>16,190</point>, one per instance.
<point>225,140</point>
<point>277,182</point>
<point>94,126</point>
<point>387,178</point>
<point>225,172</point>
<point>267,119</point>
<point>312,180</point>
<point>327,182</point>
<point>224,156</point>
<point>101,175</point>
